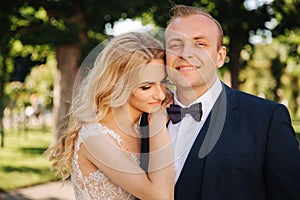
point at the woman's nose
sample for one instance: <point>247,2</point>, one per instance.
<point>160,93</point>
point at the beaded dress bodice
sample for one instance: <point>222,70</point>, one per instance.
<point>96,185</point>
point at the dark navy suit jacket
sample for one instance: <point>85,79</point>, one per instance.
<point>256,156</point>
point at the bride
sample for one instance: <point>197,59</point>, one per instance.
<point>101,151</point>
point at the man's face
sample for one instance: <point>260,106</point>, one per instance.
<point>192,53</point>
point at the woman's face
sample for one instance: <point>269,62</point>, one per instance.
<point>151,90</point>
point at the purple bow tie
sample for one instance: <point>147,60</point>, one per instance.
<point>176,113</point>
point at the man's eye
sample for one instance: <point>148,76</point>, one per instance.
<point>174,45</point>
<point>200,43</point>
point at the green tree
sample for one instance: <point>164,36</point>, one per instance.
<point>240,20</point>
<point>287,31</point>
<point>273,72</point>
<point>7,11</point>
<point>236,18</point>
<point>73,27</point>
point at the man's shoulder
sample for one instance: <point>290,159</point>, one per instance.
<point>251,100</point>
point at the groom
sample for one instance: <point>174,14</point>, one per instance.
<point>243,147</point>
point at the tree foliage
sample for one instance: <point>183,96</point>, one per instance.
<point>72,28</point>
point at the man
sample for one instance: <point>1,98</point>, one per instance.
<point>243,147</point>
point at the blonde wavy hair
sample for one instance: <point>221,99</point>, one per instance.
<point>108,84</point>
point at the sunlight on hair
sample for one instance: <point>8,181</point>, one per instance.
<point>125,25</point>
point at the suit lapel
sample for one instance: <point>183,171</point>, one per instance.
<point>224,127</point>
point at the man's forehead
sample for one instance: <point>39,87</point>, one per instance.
<point>173,34</point>
<point>190,26</point>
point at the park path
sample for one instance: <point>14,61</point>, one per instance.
<point>47,191</point>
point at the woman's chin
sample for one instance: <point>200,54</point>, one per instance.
<point>154,109</point>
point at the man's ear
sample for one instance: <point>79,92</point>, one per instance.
<point>221,57</point>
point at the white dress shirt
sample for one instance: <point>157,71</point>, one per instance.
<point>183,141</point>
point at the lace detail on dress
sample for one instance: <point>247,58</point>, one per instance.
<point>96,185</point>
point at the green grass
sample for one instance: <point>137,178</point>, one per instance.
<point>22,162</point>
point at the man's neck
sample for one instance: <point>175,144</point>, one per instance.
<point>188,95</point>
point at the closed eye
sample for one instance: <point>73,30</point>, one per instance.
<point>145,87</point>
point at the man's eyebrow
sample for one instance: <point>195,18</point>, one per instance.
<point>173,39</point>
<point>199,37</point>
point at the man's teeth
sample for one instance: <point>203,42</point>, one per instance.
<point>188,67</point>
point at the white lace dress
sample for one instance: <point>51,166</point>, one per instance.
<point>96,185</point>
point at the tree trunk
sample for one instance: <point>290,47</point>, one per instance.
<point>235,63</point>
<point>67,66</point>
<point>295,94</point>
<point>2,97</point>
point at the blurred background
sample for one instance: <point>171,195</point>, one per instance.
<point>43,43</point>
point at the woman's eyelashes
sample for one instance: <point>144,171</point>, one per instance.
<point>162,84</point>
<point>145,87</point>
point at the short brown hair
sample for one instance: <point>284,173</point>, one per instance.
<point>184,11</point>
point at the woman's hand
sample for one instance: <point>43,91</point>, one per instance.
<point>158,121</point>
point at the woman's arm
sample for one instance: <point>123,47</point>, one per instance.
<point>109,158</point>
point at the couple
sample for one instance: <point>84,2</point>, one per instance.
<point>232,146</point>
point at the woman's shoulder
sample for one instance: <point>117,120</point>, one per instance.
<point>96,129</point>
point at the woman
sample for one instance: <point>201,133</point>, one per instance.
<point>101,151</point>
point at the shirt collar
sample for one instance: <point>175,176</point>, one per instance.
<point>207,99</point>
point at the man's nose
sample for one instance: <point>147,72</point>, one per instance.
<point>186,52</point>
